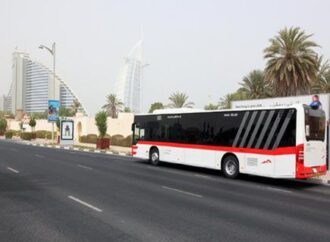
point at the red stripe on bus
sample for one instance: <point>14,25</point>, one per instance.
<point>278,151</point>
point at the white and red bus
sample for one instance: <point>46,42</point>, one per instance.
<point>272,142</point>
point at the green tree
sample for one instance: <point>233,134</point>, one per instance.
<point>40,115</point>
<point>66,112</point>
<point>254,85</point>
<point>75,106</point>
<point>32,123</point>
<point>112,106</point>
<point>225,101</point>
<point>291,62</point>
<point>322,83</point>
<point>127,110</point>
<point>211,106</point>
<point>179,100</point>
<point>3,126</point>
<point>156,105</point>
<point>101,123</point>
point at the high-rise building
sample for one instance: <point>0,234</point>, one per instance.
<point>31,87</point>
<point>128,84</point>
<point>2,103</point>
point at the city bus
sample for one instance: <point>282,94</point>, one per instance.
<point>283,142</point>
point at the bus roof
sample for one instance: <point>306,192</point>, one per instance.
<point>190,110</point>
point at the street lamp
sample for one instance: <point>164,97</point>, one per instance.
<point>52,51</point>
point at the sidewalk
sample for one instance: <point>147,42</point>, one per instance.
<point>78,145</point>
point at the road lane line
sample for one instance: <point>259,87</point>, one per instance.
<point>278,189</point>
<point>202,176</point>
<point>183,192</point>
<point>85,204</point>
<point>12,169</point>
<point>85,167</point>
<point>39,156</point>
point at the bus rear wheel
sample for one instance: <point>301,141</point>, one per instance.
<point>154,157</point>
<point>230,167</point>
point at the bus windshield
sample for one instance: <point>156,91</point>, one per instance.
<point>314,124</point>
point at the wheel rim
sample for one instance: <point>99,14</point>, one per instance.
<point>154,157</point>
<point>231,167</point>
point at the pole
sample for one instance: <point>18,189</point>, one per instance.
<point>54,92</point>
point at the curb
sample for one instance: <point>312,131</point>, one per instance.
<point>80,149</point>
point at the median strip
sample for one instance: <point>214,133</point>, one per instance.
<point>85,204</point>
<point>12,169</point>
<point>183,192</point>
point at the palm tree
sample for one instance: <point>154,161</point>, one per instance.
<point>112,106</point>
<point>75,106</point>
<point>211,106</point>
<point>291,62</point>
<point>179,100</point>
<point>254,85</point>
<point>155,106</point>
<point>225,101</point>
<point>322,83</point>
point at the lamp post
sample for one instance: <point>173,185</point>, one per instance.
<point>52,51</point>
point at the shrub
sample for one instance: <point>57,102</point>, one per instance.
<point>43,134</point>
<point>117,139</point>
<point>26,136</point>
<point>9,134</point>
<point>127,142</point>
<point>91,138</point>
<point>3,126</point>
<point>33,123</point>
<point>101,123</point>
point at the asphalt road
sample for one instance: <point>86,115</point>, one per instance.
<point>60,195</point>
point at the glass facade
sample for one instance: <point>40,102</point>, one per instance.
<point>30,87</point>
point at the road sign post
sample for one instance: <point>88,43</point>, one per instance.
<point>53,114</point>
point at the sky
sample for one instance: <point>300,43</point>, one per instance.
<point>203,48</point>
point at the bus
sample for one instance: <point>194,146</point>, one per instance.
<point>283,142</point>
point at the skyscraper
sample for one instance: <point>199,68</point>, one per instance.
<point>128,84</point>
<point>30,88</point>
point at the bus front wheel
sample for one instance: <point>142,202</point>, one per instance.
<point>154,157</point>
<point>230,167</point>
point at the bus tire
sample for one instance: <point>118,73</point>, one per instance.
<point>230,166</point>
<point>154,157</point>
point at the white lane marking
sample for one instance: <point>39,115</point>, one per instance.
<point>202,176</point>
<point>85,167</point>
<point>39,156</point>
<point>85,204</point>
<point>13,149</point>
<point>279,189</point>
<point>12,169</point>
<point>183,192</point>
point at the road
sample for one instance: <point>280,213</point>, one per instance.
<point>61,195</point>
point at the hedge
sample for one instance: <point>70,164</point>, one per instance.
<point>43,134</point>
<point>116,140</point>
<point>26,136</point>
<point>119,140</point>
<point>9,134</point>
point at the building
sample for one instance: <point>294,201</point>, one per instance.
<point>31,87</point>
<point>128,84</point>
<point>2,103</point>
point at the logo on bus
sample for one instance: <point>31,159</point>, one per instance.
<point>268,161</point>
